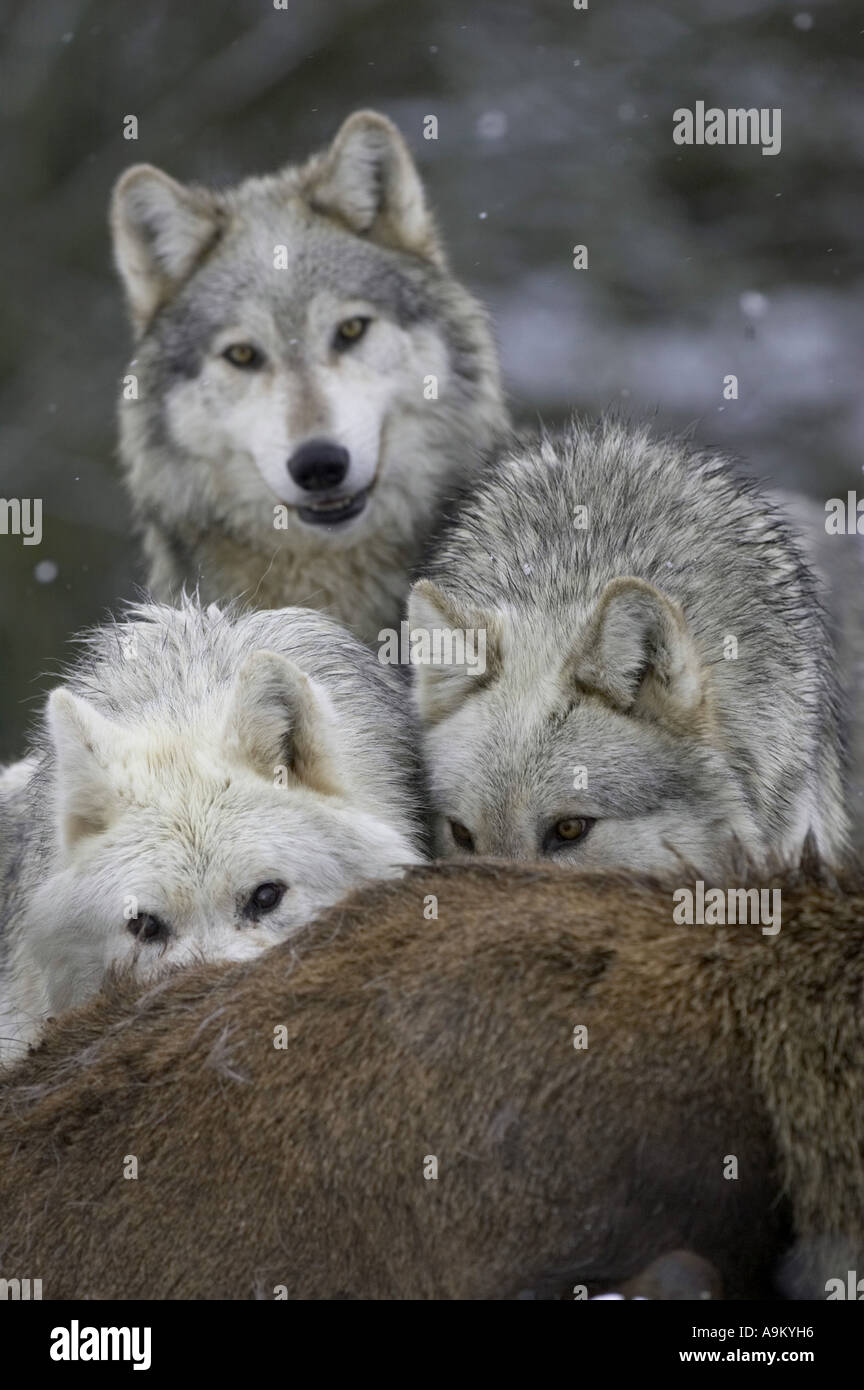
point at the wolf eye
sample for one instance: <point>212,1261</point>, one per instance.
<point>243,355</point>
<point>146,927</point>
<point>349,332</point>
<point>265,898</point>
<point>462,836</point>
<point>567,832</point>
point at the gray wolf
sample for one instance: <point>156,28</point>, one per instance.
<point>203,784</point>
<point>659,677</point>
<point>573,1167</point>
<point>309,380</point>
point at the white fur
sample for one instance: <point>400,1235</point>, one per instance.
<point>263,417</point>
<point>213,786</point>
<point>15,776</point>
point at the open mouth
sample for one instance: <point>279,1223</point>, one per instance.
<point>334,511</point>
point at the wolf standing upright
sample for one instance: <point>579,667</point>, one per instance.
<point>309,378</point>
<point>658,675</point>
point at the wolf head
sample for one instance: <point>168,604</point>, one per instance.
<point>212,842</point>
<point>600,753</point>
<point>299,342</point>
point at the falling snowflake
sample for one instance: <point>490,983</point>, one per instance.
<point>753,304</point>
<point>492,125</point>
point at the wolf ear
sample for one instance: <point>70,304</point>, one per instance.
<point>278,720</point>
<point>84,744</point>
<point>160,231</point>
<point>638,653</point>
<point>439,690</point>
<point>369,180</point>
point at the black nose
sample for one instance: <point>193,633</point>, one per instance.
<point>318,465</point>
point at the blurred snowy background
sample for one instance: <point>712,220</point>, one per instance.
<point>555,128</point>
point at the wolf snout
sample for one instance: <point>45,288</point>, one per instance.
<point>319,464</point>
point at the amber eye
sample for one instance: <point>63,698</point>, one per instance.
<point>350,331</point>
<point>243,355</point>
<point>462,836</point>
<point>571,829</point>
<point>567,832</point>
<point>265,898</point>
<point>147,927</point>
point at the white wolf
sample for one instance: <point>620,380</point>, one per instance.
<point>205,783</point>
<point>658,680</point>
<point>309,380</point>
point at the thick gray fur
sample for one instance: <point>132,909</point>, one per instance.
<point>205,446</point>
<point>684,749</point>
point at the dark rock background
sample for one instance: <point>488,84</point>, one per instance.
<point>555,129</point>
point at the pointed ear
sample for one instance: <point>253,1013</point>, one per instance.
<point>638,653</point>
<point>369,180</point>
<point>278,719</point>
<point>85,742</point>
<point>469,640</point>
<point>161,230</point>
